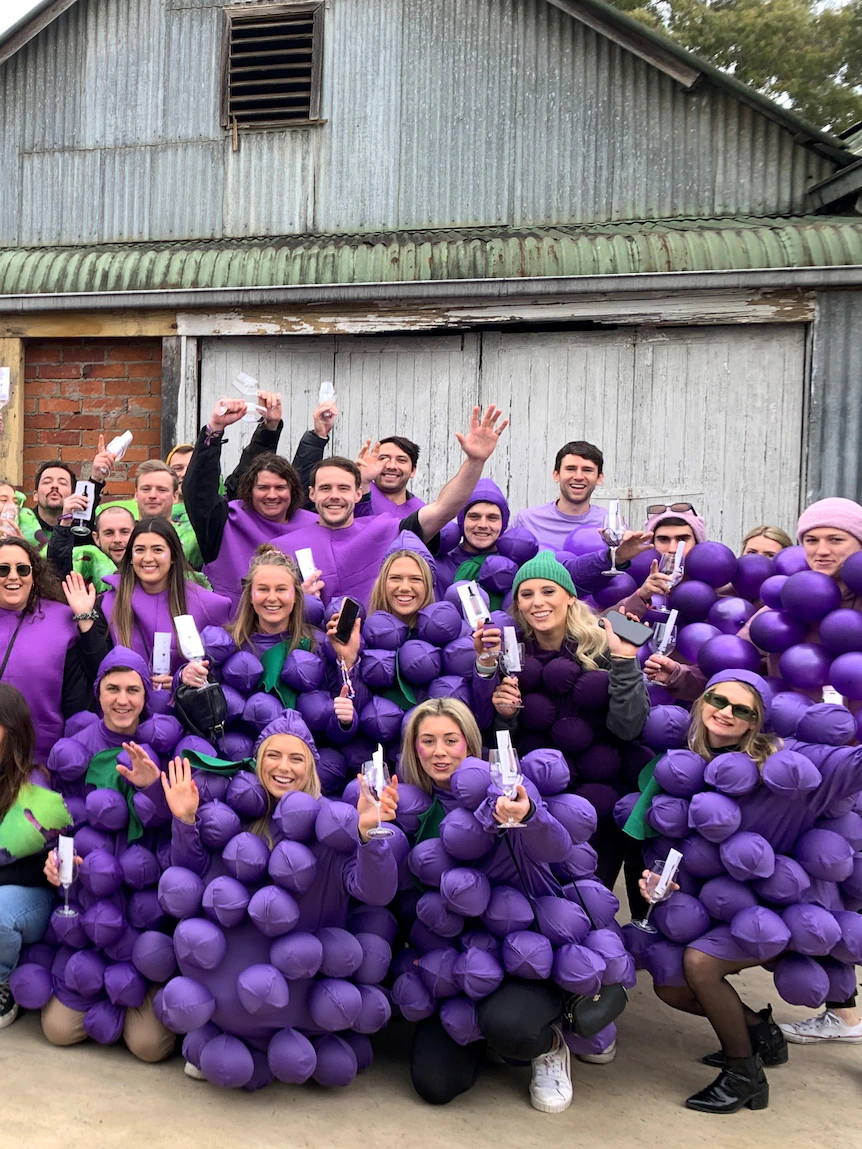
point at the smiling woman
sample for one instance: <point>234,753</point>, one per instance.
<point>404,586</point>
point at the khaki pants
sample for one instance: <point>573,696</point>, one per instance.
<point>143,1033</point>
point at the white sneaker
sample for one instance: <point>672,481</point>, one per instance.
<point>192,1071</point>
<point>600,1058</point>
<point>551,1083</point>
<point>8,1006</point>
<point>826,1026</point>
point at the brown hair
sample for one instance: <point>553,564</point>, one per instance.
<point>409,768</point>
<point>757,745</point>
<point>122,616</point>
<point>277,465</point>
<point>46,583</point>
<point>774,534</point>
<point>341,463</point>
<point>378,599</point>
<point>155,467</point>
<point>19,742</point>
<point>245,619</point>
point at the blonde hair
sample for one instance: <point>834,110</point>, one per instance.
<point>310,786</point>
<point>757,745</point>
<point>244,624</point>
<point>409,768</point>
<point>378,600</point>
<point>582,627</point>
<point>774,534</point>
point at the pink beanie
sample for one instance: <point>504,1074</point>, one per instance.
<point>694,521</point>
<point>842,514</point>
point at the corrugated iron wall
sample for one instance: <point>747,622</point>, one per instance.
<point>835,414</point>
<point>439,114</point>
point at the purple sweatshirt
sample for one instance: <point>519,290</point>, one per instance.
<point>380,505</point>
<point>551,527</point>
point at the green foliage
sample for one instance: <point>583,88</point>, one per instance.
<point>806,56</point>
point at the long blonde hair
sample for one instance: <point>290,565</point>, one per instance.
<point>378,600</point>
<point>310,786</point>
<point>244,624</point>
<point>582,627</point>
<point>409,768</point>
<point>774,534</point>
<point>757,745</point>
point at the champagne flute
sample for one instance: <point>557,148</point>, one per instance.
<point>64,855</point>
<point>613,533</point>
<point>375,779</point>
<point>670,564</point>
<point>655,893</point>
<point>506,777</point>
<point>664,637</point>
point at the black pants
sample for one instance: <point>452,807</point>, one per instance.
<point>615,850</point>
<point>516,1020</point>
<point>850,1003</point>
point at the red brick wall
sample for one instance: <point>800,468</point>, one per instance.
<point>76,388</point>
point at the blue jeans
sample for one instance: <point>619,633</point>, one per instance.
<point>24,914</point>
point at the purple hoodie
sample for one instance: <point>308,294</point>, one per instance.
<point>485,491</point>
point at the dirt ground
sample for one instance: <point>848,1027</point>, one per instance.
<point>90,1097</point>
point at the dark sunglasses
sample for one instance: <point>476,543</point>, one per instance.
<point>743,713</point>
<point>677,508</point>
<point>21,569</point>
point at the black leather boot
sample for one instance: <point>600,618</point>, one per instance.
<point>767,1040</point>
<point>741,1082</point>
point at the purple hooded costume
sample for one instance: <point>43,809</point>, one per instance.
<point>485,491</point>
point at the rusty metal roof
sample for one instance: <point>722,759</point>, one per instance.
<point>618,249</point>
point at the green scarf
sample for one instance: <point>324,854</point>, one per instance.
<point>637,826</point>
<point>19,836</point>
<point>218,765</point>
<point>102,773</point>
<point>429,822</point>
<point>273,661</point>
<point>401,693</point>
<point>469,569</point>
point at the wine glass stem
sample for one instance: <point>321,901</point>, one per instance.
<point>66,897</point>
<point>648,912</point>
<point>614,560</point>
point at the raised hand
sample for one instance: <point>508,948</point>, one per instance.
<point>314,584</point>
<point>367,807</point>
<point>481,440</point>
<point>80,595</point>
<point>368,462</point>
<point>143,771</point>
<point>348,652</point>
<point>323,419</point>
<point>226,412</point>
<point>181,792</point>
<point>271,400</point>
<point>617,646</point>
<point>659,668</point>
<point>655,583</point>
<point>103,463</point>
<point>633,544</point>
<point>344,709</point>
<point>487,639</point>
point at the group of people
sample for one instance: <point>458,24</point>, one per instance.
<point>295,831</point>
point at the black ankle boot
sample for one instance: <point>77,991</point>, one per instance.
<point>767,1040</point>
<point>741,1082</point>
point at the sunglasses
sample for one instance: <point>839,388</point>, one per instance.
<point>21,569</point>
<point>677,508</point>
<point>743,713</point>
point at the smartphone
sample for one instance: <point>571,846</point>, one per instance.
<point>346,618</point>
<point>634,632</point>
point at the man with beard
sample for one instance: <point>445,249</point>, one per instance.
<point>578,470</point>
<point>94,560</point>
<point>348,551</point>
<point>56,502</point>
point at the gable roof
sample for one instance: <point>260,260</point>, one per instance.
<point>654,47</point>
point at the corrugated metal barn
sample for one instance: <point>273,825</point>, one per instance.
<point>434,204</point>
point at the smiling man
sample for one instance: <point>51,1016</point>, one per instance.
<point>482,521</point>
<point>263,497</point>
<point>578,470</point>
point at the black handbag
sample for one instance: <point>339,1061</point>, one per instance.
<point>202,709</point>
<point>585,1014</point>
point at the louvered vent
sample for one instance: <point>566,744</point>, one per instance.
<point>273,66</point>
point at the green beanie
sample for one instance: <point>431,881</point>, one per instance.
<point>546,567</point>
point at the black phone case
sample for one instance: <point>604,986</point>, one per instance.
<point>346,619</point>
<point>637,633</point>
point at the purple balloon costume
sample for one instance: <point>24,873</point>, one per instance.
<point>772,868</point>
<point>278,978</point>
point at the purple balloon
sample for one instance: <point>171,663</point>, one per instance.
<point>615,590</point>
<point>845,673</point>
<point>805,666</point>
<point>851,572</point>
<point>770,591</point>
<point>584,541</point>
<point>760,932</point>
<point>841,631</point>
<point>790,561</point>
<point>813,930</point>
<point>786,885</point>
<point>810,595</point>
<point>714,816</point>
<point>153,954</point>
<point>291,1057</point>
<point>724,897</point>
<point>828,723</point>
<point>337,1064</point>
<point>751,572</point>
<point>640,565</point>
<point>692,637</point>
<point>776,631</point>
<point>787,710</point>
<point>693,599</point>
<point>680,773</point>
<point>730,614</point>
<point>712,563</point>
<point>727,652</point>
<point>298,955</point>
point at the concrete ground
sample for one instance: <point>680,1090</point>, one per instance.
<point>91,1097</point>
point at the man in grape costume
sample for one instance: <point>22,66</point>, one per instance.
<point>770,874</point>
<point>278,978</point>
